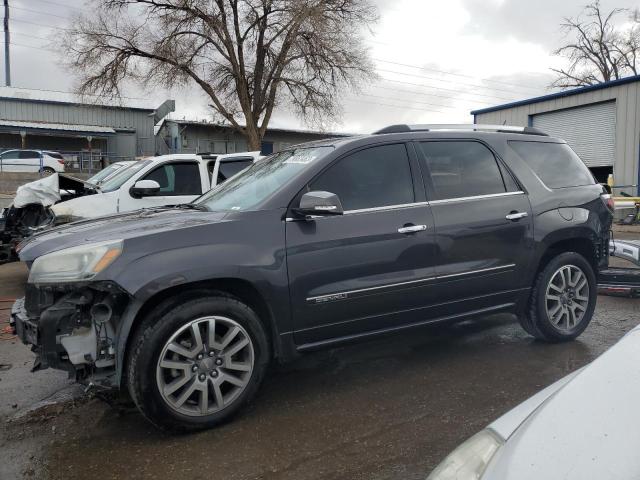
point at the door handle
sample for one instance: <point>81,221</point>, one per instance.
<point>514,216</point>
<point>412,229</point>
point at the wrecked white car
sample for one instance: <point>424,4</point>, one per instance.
<point>153,182</point>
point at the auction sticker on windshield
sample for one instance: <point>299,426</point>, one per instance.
<point>304,157</point>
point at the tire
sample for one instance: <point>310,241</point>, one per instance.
<point>211,382</point>
<point>48,171</point>
<point>557,314</point>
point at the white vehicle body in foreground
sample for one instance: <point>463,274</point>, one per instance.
<point>585,426</point>
<point>178,178</point>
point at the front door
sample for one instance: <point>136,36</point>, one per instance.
<point>483,225</point>
<point>371,268</point>
<point>180,182</point>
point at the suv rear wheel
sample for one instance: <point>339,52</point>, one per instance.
<point>194,363</point>
<point>563,299</point>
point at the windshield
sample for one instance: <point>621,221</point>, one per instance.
<point>124,174</point>
<point>104,173</point>
<point>258,182</point>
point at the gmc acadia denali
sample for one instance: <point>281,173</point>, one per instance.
<point>322,244</point>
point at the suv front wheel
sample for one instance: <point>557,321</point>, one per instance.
<point>563,299</point>
<point>195,361</point>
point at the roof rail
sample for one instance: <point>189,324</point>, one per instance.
<point>460,128</point>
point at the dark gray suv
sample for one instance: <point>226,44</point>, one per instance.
<point>319,245</point>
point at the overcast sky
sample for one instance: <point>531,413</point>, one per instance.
<point>436,60</point>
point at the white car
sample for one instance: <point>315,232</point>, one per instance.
<point>584,426</point>
<point>31,161</point>
<point>152,182</point>
<point>109,171</point>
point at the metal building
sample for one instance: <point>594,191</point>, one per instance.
<point>42,120</point>
<point>600,122</point>
<point>188,136</point>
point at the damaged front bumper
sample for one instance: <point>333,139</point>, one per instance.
<point>73,328</point>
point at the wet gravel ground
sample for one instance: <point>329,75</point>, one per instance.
<point>387,409</point>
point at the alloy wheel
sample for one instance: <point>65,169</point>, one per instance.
<point>567,297</point>
<point>205,366</point>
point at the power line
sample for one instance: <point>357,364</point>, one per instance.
<point>413,92</point>
<point>404,107</point>
<point>441,80</point>
<point>443,88</point>
<point>39,11</point>
<point>30,36</point>
<point>30,46</point>
<point>406,100</point>
<point>50,2</point>
<point>455,74</point>
<point>40,24</point>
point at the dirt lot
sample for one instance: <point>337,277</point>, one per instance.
<point>387,409</point>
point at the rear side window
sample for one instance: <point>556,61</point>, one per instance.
<point>374,177</point>
<point>554,163</point>
<point>229,168</point>
<point>55,155</point>
<point>462,169</point>
<point>29,154</point>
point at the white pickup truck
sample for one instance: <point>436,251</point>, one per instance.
<point>152,182</point>
<point>157,181</point>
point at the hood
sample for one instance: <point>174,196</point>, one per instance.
<point>44,191</point>
<point>586,429</point>
<point>90,206</point>
<point>130,225</point>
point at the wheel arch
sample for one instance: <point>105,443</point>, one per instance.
<point>582,244</point>
<point>240,288</point>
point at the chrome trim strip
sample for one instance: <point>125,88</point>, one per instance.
<point>414,204</point>
<point>340,295</point>
<point>364,210</point>
<point>345,294</point>
<point>482,270</point>
<point>388,207</point>
<point>477,197</point>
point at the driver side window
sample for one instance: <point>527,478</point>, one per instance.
<point>374,177</point>
<point>177,179</point>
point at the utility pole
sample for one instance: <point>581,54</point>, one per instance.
<point>7,59</point>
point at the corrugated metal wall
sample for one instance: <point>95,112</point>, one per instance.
<point>141,121</point>
<point>590,130</point>
<point>209,138</point>
<point>627,141</point>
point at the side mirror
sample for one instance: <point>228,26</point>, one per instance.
<point>320,203</point>
<point>144,188</point>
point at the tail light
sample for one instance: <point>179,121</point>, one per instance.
<point>61,162</point>
<point>607,199</point>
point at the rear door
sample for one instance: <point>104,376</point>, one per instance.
<point>180,182</point>
<point>29,161</point>
<point>373,267</point>
<point>483,225</point>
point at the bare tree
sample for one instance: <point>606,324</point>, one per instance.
<point>248,56</point>
<point>600,50</point>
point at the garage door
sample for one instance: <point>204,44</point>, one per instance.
<point>590,130</point>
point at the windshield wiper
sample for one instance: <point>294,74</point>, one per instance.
<point>192,206</point>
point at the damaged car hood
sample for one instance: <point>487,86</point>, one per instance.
<point>47,191</point>
<point>87,207</point>
<point>122,226</point>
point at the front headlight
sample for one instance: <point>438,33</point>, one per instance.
<point>75,264</point>
<point>469,460</point>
